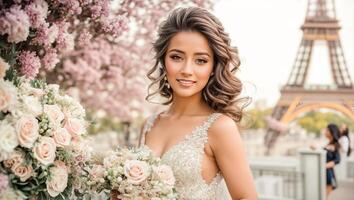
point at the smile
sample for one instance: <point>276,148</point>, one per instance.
<point>185,82</point>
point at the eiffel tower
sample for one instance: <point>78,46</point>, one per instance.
<point>320,24</point>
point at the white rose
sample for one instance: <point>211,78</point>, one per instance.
<point>61,137</point>
<point>110,161</point>
<point>27,131</point>
<point>32,105</point>
<point>58,181</point>
<point>24,172</point>
<point>4,66</point>
<point>44,150</point>
<point>54,114</point>
<point>8,96</point>
<point>165,174</point>
<point>97,173</point>
<point>27,90</point>
<point>10,193</point>
<point>75,126</point>
<point>72,107</point>
<point>8,138</point>
<point>136,171</point>
<point>54,88</point>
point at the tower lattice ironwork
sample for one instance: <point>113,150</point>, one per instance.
<point>320,24</point>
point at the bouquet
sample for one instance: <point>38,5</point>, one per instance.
<point>41,145</point>
<point>133,174</point>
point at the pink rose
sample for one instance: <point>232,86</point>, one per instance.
<point>136,171</point>
<point>59,180</point>
<point>8,95</point>
<point>44,150</point>
<point>97,173</point>
<point>165,174</point>
<point>74,126</point>
<point>54,113</point>
<point>23,171</point>
<point>27,131</point>
<point>37,92</point>
<point>4,182</point>
<point>16,158</point>
<point>61,137</point>
<point>4,66</point>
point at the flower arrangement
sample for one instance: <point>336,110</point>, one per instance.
<point>133,174</point>
<point>41,144</point>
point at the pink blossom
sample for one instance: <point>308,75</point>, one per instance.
<point>100,8</point>
<point>84,38</point>
<point>114,26</point>
<point>65,40</point>
<point>16,24</point>
<point>72,7</point>
<point>46,35</point>
<point>37,12</point>
<point>29,63</point>
<point>4,182</point>
<point>50,59</point>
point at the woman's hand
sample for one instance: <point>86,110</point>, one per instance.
<point>313,147</point>
<point>330,164</point>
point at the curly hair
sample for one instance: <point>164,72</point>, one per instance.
<point>223,87</point>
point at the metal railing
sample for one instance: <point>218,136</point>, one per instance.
<point>277,178</point>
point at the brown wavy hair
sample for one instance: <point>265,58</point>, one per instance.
<point>223,87</point>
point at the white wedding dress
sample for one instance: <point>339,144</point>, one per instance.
<point>185,158</point>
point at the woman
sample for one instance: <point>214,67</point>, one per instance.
<point>197,135</point>
<point>332,156</point>
<point>345,151</point>
<point>344,141</point>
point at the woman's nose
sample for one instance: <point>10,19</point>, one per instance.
<point>187,67</point>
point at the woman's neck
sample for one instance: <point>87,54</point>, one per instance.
<point>188,106</point>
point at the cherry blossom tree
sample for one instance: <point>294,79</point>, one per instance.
<point>97,49</point>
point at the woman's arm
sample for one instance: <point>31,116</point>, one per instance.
<point>226,143</point>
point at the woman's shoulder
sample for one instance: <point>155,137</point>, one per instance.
<point>330,147</point>
<point>223,126</point>
<point>343,139</point>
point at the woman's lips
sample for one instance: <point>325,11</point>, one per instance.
<point>186,82</point>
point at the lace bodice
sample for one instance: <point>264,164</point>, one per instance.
<point>186,158</point>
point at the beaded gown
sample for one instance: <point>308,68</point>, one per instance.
<point>185,158</point>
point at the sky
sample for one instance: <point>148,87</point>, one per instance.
<point>267,34</point>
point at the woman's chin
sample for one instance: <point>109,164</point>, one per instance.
<point>184,93</point>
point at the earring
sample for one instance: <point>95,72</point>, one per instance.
<point>212,74</point>
<point>166,82</point>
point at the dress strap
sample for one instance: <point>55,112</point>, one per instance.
<point>211,119</point>
<point>147,127</point>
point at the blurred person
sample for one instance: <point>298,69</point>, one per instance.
<point>332,133</point>
<point>344,141</point>
<point>345,151</point>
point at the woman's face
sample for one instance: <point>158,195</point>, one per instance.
<point>342,128</point>
<point>328,134</point>
<point>189,63</point>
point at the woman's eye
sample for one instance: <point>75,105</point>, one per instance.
<point>175,57</point>
<point>201,61</point>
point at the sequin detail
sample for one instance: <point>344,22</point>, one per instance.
<point>186,159</point>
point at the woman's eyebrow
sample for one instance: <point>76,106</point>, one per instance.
<point>177,50</point>
<point>202,53</point>
<point>197,53</point>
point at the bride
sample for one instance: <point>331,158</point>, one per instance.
<point>197,135</point>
